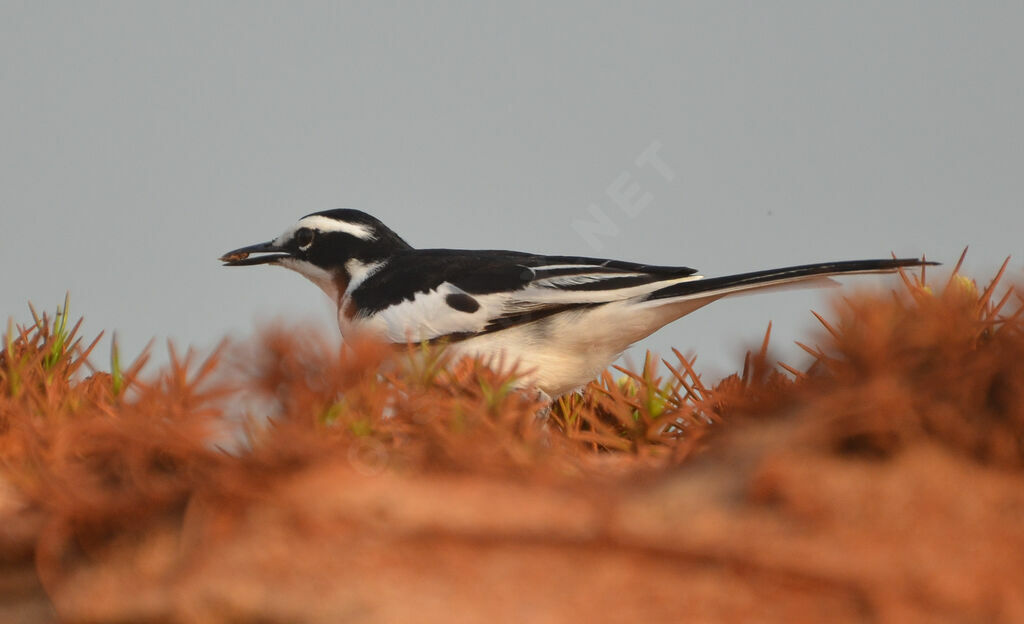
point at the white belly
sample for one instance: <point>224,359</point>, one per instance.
<point>562,352</point>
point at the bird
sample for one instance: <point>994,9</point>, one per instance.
<point>559,320</point>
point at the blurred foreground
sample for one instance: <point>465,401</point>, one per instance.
<point>882,484</point>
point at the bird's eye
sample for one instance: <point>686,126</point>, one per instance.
<point>304,238</point>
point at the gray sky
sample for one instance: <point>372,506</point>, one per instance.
<point>139,140</point>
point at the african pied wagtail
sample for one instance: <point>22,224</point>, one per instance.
<point>564,319</point>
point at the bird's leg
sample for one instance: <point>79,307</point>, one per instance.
<point>545,401</point>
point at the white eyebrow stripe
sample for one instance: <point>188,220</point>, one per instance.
<point>285,236</point>
<point>325,224</point>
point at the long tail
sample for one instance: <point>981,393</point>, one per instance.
<point>729,284</point>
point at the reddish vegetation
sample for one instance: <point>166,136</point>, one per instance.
<point>884,483</point>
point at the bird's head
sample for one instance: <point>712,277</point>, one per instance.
<point>330,248</point>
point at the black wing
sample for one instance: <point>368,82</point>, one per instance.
<point>494,271</point>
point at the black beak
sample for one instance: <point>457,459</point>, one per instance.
<point>240,257</point>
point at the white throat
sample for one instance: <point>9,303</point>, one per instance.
<point>321,277</point>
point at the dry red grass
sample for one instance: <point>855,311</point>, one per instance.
<point>284,481</point>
